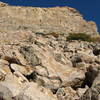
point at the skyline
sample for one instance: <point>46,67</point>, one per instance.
<point>89,9</point>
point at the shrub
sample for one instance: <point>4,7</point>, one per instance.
<point>79,36</point>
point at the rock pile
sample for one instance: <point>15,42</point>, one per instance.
<point>38,63</point>
<point>44,67</point>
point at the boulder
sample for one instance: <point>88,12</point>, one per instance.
<point>33,92</point>
<point>30,56</point>
<point>14,83</point>
<point>5,93</point>
<point>4,66</point>
<point>25,70</point>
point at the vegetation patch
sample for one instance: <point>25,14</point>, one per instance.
<point>83,37</point>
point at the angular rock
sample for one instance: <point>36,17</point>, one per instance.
<point>25,70</point>
<point>4,66</point>
<point>41,70</point>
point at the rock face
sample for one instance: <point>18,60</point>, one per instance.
<point>37,65</point>
<point>56,19</point>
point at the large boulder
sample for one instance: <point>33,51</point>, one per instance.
<point>14,83</point>
<point>34,92</point>
<point>5,93</point>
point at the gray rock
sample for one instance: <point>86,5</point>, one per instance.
<point>30,56</point>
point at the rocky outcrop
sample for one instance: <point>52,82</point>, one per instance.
<point>38,65</point>
<point>63,69</point>
<point>56,19</point>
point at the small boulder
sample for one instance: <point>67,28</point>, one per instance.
<point>25,70</point>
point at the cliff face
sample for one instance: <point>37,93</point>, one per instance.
<point>56,19</point>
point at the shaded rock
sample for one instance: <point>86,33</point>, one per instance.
<point>90,75</point>
<point>94,92</point>
<point>96,49</point>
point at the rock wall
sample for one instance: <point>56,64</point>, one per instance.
<point>56,19</point>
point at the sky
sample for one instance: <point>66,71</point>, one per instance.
<point>90,9</point>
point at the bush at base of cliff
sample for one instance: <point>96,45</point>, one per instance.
<point>83,37</point>
<point>79,36</point>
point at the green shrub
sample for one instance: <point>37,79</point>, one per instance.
<point>79,36</point>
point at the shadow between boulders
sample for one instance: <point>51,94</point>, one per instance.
<point>90,76</point>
